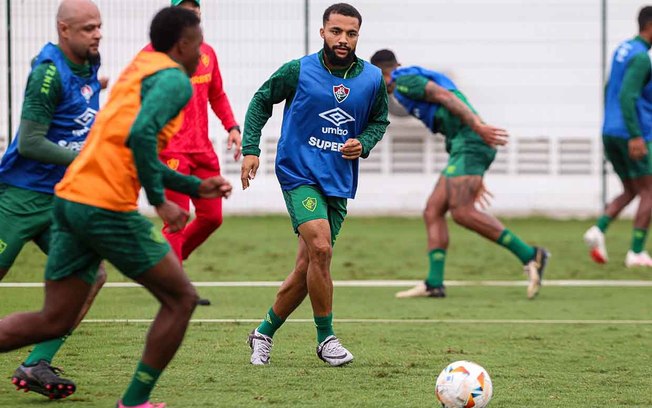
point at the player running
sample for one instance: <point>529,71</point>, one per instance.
<point>61,100</point>
<point>335,112</point>
<point>435,100</point>
<point>96,203</point>
<point>627,138</point>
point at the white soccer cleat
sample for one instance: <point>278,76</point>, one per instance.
<point>332,352</point>
<point>594,239</point>
<point>534,271</point>
<point>261,347</point>
<point>422,290</point>
<point>641,259</point>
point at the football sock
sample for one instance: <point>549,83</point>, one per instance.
<point>45,351</point>
<point>603,222</point>
<point>324,327</point>
<point>523,251</point>
<point>638,240</point>
<point>437,259</point>
<point>270,324</point>
<point>141,385</point>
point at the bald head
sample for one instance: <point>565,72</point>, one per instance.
<point>78,27</point>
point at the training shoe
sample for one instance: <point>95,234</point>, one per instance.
<point>594,238</point>
<point>143,405</point>
<point>332,352</point>
<point>261,347</point>
<point>534,271</point>
<point>423,290</point>
<point>634,259</point>
<point>44,379</point>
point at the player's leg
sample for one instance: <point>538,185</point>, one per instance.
<point>617,153</point>
<point>637,255</point>
<point>178,162</point>
<point>208,211</point>
<point>289,296</point>
<point>136,247</point>
<point>464,183</point>
<point>434,217</point>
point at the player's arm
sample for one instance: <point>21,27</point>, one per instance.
<point>376,127</point>
<point>636,77</point>
<point>222,108</point>
<point>41,99</point>
<point>437,94</point>
<point>281,86</point>
<point>157,109</point>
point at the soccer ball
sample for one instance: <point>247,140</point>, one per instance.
<point>464,384</point>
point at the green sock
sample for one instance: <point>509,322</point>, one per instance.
<point>603,222</point>
<point>141,385</point>
<point>523,251</point>
<point>45,351</point>
<point>270,324</point>
<point>639,236</point>
<point>437,258</point>
<point>324,327</point>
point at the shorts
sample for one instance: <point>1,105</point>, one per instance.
<point>617,151</point>
<point>469,155</point>
<point>83,235</point>
<point>25,215</point>
<point>307,203</point>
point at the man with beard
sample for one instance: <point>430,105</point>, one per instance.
<point>335,112</point>
<point>61,100</point>
<point>471,144</point>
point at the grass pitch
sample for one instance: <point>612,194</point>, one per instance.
<point>571,347</point>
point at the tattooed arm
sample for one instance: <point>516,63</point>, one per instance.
<point>493,136</point>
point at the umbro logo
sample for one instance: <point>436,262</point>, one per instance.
<point>337,116</point>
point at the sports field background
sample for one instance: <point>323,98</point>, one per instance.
<point>571,347</point>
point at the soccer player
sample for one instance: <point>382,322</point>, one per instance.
<point>61,100</point>
<point>191,151</point>
<point>95,205</point>
<point>627,137</point>
<point>435,100</point>
<point>335,112</point>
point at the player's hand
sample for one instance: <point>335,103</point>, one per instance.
<point>216,186</point>
<point>104,82</point>
<point>491,135</point>
<point>483,197</point>
<point>352,149</point>
<point>637,148</point>
<point>235,138</point>
<point>250,165</point>
<point>174,216</point>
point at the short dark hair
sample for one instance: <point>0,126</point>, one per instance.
<point>343,9</point>
<point>168,25</point>
<point>644,17</point>
<point>383,58</point>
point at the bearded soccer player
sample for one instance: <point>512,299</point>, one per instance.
<point>191,151</point>
<point>61,100</point>
<point>335,113</point>
<point>96,203</point>
<point>627,140</point>
<point>435,100</point>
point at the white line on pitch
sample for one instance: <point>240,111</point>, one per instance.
<point>380,283</point>
<point>399,321</point>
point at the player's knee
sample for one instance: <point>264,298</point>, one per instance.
<point>462,216</point>
<point>187,300</point>
<point>321,251</point>
<point>211,220</point>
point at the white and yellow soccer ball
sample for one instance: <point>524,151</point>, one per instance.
<point>464,384</point>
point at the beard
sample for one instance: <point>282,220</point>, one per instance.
<point>93,58</point>
<point>334,60</point>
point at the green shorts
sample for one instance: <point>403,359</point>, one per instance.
<point>307,203</point>
<point>25,215</point>
<point>83,235</point>
<point>617,151</point>
<point>469,155</point>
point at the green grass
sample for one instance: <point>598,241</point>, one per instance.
<point>535,365</point>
